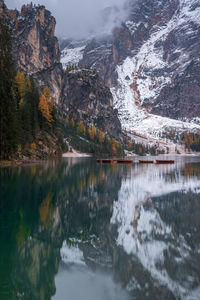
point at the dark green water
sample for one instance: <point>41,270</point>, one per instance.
<point>73,229</point>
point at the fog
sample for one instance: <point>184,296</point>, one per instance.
<point>82,18</point>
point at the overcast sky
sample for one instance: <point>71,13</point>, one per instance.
<point>80,18</point>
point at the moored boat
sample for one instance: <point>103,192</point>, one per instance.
<point>159,161</point>
<point>146,161</point>
<point>114,160</point>
<point>123,161</point>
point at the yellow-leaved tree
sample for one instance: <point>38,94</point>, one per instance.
<point>101,136</point>
<point>67,121</point>
<point>92,132</point>
<point>114,150</point>
<point>81,129</point>
<point>130,144</point>
<point>46,105</point>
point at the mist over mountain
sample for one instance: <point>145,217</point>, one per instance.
<point>81,19</point>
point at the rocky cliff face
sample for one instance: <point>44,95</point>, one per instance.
<point>85,94</point>
<point>36,43</point>
<point>36,48</point>
<point>181,99</point>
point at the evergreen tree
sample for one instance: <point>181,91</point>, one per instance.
<point>8,119</point>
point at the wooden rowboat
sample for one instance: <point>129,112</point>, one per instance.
<point>114,160</point>
<point>165,161</point>
<point>123,161</point>
<point>146,161</point>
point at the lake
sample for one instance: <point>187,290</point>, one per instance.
<point>73,229</point>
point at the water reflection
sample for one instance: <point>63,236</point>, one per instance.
<point>145,234</point>
<point>85,284</point>
<point>79,282</point>
<point>41,206</point>
<point>115,232</point>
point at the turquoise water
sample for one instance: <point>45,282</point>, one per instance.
<point>73,229</point>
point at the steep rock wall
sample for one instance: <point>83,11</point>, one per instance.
<point>85,94</point>
<point>36,48</point>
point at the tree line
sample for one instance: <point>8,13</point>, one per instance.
<point>191,141</point>
<point>88,138</point>
<point>24,112</point>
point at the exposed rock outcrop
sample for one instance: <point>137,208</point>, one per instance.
<point>181,99</point>
<point>36,48</point>
<point>85,94</point>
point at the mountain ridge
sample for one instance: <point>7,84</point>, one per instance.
<point>151,65</point>
<point>163,40</point>
<point>145,63</point>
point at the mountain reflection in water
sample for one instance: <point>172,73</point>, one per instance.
<point>73,229</point>
<point>145,233</point>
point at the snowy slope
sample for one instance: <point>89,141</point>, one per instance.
<point>72,52</point>
<point>142,77</point>
<point>71,56</point>
<point>133,117</point>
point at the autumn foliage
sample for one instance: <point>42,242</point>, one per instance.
<point>46,105</point>
<point>192,141</point>
<point>89,138</point>
<point>101,136</point>
<point>92,132</point>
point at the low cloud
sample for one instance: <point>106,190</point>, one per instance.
<point>82,18</point>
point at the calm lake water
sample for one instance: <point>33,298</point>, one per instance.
<point>73,229</point>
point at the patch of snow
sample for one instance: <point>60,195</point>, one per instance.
<point>133,285</point>
<point>132,26</point>
<point>72,56</point>
<point>71,254</point>
<point>195,120</point>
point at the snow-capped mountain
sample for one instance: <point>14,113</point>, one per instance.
<point>151,63</point>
